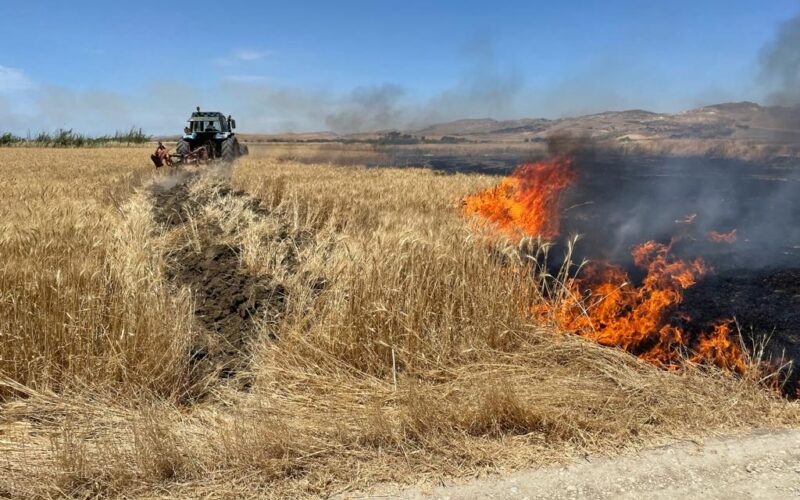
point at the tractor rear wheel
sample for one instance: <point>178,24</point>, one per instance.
<point>243,150</point>
<point>183,147</point>
<point>230,149</point>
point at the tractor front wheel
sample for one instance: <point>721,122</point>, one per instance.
<point>230,149</point>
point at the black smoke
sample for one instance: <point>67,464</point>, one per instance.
<point>368,108</point>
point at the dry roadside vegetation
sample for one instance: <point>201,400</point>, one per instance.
<point>379,338</point>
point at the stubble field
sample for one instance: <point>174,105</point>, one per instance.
<point>284,327</point>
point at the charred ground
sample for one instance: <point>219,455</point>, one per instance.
<point>618,203</point>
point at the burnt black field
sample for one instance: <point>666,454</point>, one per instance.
<point>620,201</point>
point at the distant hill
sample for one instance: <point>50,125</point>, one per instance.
<point>743,130</point>
<point>733,121</point>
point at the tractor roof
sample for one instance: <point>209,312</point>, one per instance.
<point>205,115</point>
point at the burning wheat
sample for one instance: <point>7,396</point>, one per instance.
<point>602,303</point>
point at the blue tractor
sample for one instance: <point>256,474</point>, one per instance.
<point>209,136</point>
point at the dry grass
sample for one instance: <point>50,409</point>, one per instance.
<point>404,351</point>
<point>397,155</point>
<point>716,148</point>
<point>82,299</point>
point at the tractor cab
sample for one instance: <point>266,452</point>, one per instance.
<point>209,122</point>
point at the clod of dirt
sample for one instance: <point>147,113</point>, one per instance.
<point>228,299</point>
<point>171,205</point>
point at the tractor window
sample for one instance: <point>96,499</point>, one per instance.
<point>202,126</point>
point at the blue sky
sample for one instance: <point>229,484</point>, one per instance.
<point>355,65</point>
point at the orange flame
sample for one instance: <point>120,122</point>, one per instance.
<point>632,318</point>
<point>528,201</point>
<point>636,318</point>
<point>717,237</point>
<point>719,348</point>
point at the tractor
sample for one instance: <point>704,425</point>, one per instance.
<point>208,137</point>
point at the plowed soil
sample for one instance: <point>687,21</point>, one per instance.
<point>229,301</point>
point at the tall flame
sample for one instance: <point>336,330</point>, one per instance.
<point>605,307</point>
<point>719,348</point>
<point>526,203</point>
<point>602,304</point>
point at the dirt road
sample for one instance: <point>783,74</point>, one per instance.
<point>763,465</point>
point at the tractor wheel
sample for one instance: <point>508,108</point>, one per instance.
<point>243,150</point>
<point>183,147</point>
<point>230,149</point>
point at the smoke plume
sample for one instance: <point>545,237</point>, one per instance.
<point>368,108</point>
<point>780,64</point>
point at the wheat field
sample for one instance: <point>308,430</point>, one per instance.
<point>290,328</point>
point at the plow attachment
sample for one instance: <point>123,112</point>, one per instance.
<point>198,156</point>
